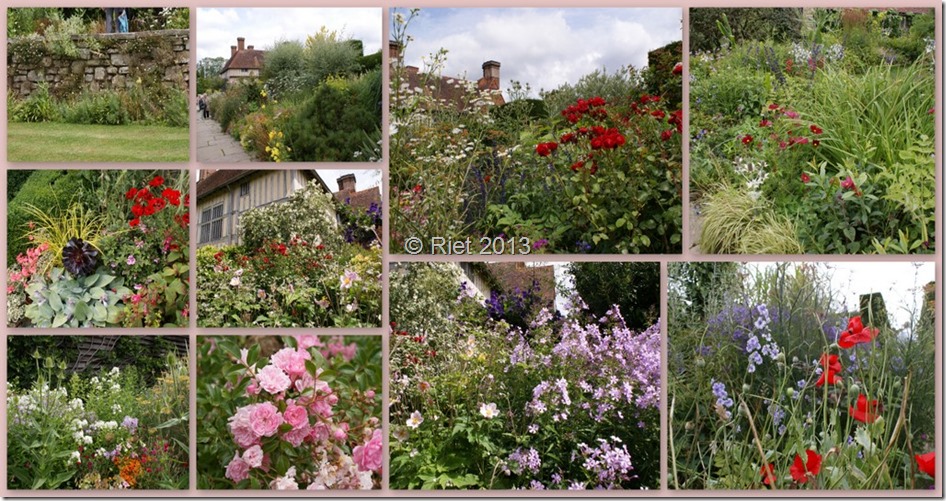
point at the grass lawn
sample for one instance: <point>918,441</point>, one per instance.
<point>58,142</point>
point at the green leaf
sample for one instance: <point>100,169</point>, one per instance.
<point>59,320</point>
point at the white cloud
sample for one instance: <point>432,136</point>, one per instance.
<point>218,29</point>
<point>542,47</point>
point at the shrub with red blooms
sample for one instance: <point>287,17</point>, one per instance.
<point>601,146</point>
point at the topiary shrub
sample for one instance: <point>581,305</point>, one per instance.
<point>330,126</point>
<point>51,189</point>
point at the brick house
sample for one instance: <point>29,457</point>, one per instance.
<point>446,88</point>
<point>245,62</point>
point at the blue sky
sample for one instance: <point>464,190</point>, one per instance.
<point>544,47</point>
<point>218,28</point>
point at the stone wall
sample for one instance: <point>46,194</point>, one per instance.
<point>112,61</point>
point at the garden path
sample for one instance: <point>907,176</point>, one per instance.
<point>213,145</point>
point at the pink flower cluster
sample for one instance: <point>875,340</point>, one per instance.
<point>288,393</point>
<point>27,264</point>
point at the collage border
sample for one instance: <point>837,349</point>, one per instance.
<point>388,257</point>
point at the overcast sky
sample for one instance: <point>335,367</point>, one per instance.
<point>364,179</point>
<point>542,47</point>
<point>218,28</point>
<point>900,283</point>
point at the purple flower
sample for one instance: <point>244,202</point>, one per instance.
<point>130,423</point>
<point>131,260</point>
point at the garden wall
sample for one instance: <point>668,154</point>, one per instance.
<point>111,61</point>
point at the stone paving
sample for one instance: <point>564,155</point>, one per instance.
<point>214,145</point>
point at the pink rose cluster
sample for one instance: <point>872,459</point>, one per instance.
<point>289,394</point>
<point>369,456</point>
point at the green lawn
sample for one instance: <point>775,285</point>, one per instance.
<point>57,142</point>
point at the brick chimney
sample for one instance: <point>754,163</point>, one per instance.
<point>232,50</point>
<point>205,173</point>
<point>346,183</point>
<point>249,47</point>
<point>240,41</point>
<point>394,52</point>
<point>490,80</point>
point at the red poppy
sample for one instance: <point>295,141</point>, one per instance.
<point>800,470</point>
<point>577,165</point>
<point>134,222</point>
<point>677,69</point>
<point>773,106</point>
<point>658,114</point>
<point>131,193</point>
<point>137,210</point>
<point>927,463</point>
<point>805,178</point>
<point>856,333</point>
<point>746,139</point>
<point>831,369</point>
<point>667,134</point>
<point>768,474</point>
<point>815,129</point>
<point>157,181</point>
<point>143,194</point>
<point>865,411</point>
<point>568,138</point>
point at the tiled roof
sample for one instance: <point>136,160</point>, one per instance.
<point>223,177</point>
<point>362,199</point>
<point>250,59</point>
<point>450,89</point>
<point>219,179</point>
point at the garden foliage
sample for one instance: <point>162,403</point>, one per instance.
<point>477,403</point>
<point>315,101</point>
<point>772,385</point>
<point>100,255</point>
<point>297,266</point>
<point>98,430</point>
<point>598,172</point>
<point>297,412</point>
<point>816,140</point>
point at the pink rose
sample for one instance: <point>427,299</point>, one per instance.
<point>252,388</point>
<point>341,433</point>
<point>241,427</point>
<point>265,419</point>
<point>296,436</point>
<point>304,381</point>
<point>273,379</point>
<point>253,456</point>
<point>291,361</point>
<point>319,432</point>
<point>306,342</point>
<point>296,416</point>
<point>368,457</point>
<point>238,470</point>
